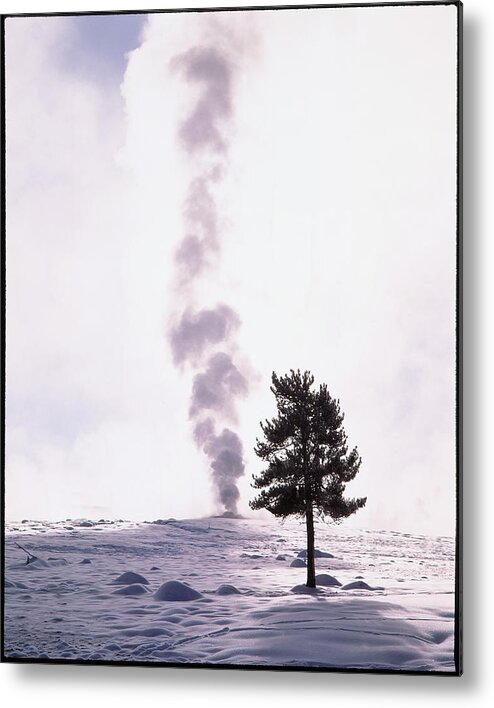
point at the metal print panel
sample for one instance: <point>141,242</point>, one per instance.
<point>216,218</point>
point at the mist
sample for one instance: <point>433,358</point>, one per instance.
<point>221,213</point>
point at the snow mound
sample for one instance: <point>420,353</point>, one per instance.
<point>317,554</point>
<point>357,585</point>
<point>303,590</point>
<point>227,590</point>
<point>174,591</point>
<point>327,580</point>
<point>254,556</point>
<point>131,590</point>
<point>298,563</point>
<point>130,578</point>
<point>163,522</point>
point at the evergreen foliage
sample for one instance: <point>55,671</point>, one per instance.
<point>309,464</point>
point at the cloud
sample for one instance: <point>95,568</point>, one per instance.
<point>90,413</point>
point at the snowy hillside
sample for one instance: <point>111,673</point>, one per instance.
<point>385,600</point>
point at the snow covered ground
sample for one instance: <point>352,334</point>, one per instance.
<point>238,599</point>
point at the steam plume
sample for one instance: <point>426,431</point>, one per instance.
<point>225,453</point>
<point>216,388</point>
<point>204,339</point>
<point>201,220</point>
<point>197,331</point>
<point>202,127</point>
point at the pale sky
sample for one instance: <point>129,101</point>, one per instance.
<point>336,209</point>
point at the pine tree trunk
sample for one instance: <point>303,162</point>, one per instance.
<point>309,520</point>
<point>311,566</point>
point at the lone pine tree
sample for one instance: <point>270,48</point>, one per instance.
<point>308,459</point>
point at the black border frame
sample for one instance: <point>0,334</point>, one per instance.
<point>458,630</point>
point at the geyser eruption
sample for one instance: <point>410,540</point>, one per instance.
<point>198,331</point>
<point>204,338</point>
<point>225,452</point>
<point>216,388</point>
